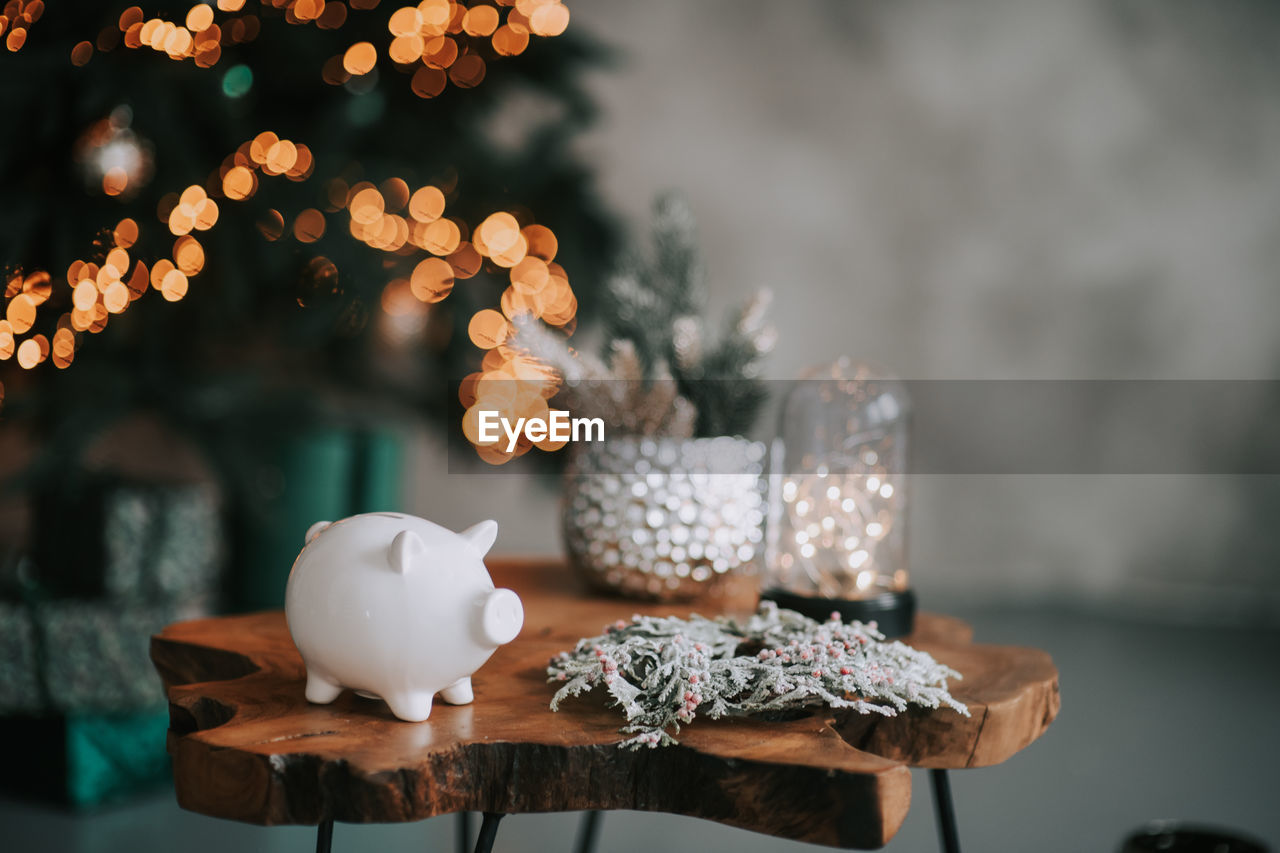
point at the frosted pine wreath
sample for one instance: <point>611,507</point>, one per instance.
<point>663,672</point>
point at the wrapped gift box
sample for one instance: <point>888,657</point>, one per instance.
<point>87,759</point>
<point>129,541</point>
<point>161,543</point>
<point>72,657</point>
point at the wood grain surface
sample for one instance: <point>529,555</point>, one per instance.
<point>247,746</point>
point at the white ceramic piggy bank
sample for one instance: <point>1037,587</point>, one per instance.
<point>395,607</point>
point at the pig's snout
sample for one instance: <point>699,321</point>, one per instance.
<point>502,617</point>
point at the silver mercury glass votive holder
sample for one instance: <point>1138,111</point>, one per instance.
<point>662,518</point>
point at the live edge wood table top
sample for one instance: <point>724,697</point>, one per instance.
<point>247,746</point>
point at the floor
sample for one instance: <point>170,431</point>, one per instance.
<point>1156,722</point>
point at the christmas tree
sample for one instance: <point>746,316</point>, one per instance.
<point>258,222</point>
<point>229,212</point>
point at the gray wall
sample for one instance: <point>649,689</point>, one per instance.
<point>975,189</point>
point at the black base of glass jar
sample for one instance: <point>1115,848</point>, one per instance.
<point>893,612</point>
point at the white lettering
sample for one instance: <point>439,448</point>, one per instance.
<point>513,434</point>
<point>488,427</point>
<point>588,424</point>
<point>558,427</point>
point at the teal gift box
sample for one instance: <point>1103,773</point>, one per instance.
<point>87,759</point>
<point>323,474</point>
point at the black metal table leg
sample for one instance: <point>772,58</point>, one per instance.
<point>464,832</point>
<point>588,832</point>
<point>324,836</point>
<point>945,811</point>
<point>488,831</point>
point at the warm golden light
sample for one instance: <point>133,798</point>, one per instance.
<point>497,233</point>
<point>116,264</point>
<point>541,241</point>
<point>515,304</point>
<point>307,10</point>
<point>465,260</point>
<point>238,183</point>
<point>138,281</point>
<point>367,206</point>
<point>508,41</point>
<point>441,237</point>
<point>309,226</point>
<point>549,19</point>
<point>432,280</point>
<point>395,194</point>
<point>199,17</point>
<point>129,17</point>
<point>126,233</point>
<point>280,158</point>
<point>405,49</point>
<point>173,286</point>
<point>429,82</point>
<point>159,270</point>
<point>21,313</point>
<point>303,166</point>
<point>436,15</point>
<point>440,52</point>
<point>115,181</point>
<point>188,255</point>
<point>116,297</point>
<point>206,214</point>
<point>488,328</point>
<point>480,21</point>
<point>512,255</point>
<point>530,275</point>
<point>426,204</point>
<point>38,287</point>
<point>271,224</point>
<point>29,354</point>
<point>360,58</point>
<point>467,71</point>
<point>64,343</point>
<point>260,145</point>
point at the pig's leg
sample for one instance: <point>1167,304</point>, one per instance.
<point>458,693</point>
<point>411,707</point>
<point>321,690</point>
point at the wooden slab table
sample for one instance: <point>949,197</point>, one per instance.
<point>247,746</point>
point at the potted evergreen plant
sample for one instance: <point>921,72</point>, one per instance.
<point>671,502</point>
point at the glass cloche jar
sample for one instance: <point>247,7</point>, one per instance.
<point>838,503</point>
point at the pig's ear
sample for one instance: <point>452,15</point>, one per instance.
<point>407,552</point>
<point>481,536</point>
<point>315,530</point>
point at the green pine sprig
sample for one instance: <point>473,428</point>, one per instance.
<point>653,307</point>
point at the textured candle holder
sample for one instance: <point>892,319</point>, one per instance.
<point>664,519</point>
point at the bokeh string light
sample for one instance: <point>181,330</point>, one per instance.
<point>435,42</point>
<point>391,217</point>
<point>16,22</point>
